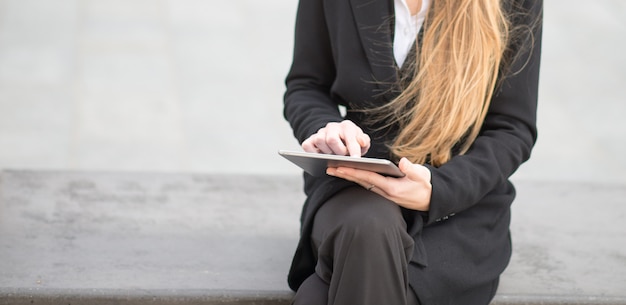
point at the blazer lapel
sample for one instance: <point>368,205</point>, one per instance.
<point>374,20</point>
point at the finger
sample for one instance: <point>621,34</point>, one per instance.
<point>352,136</point>
<point>413,171</point>
<point>362,177</point>
<point>319,140</point>
<point>352,143</point>
<point>308,146</point>
<point>336,172</point>
<point>406,167</point>
<point>374,183</point>
<point>334,141</point>
<point>364,142</point>
<point>379,191</point>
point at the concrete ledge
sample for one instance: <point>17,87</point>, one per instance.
<point>155,238</point>
<point>141,297</point>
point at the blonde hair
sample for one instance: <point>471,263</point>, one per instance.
<point>456,69</point>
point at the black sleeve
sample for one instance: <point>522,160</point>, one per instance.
<point>307,104</point>
<point>507,135</point>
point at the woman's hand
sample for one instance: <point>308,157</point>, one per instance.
<point>412,191</point>
<point>345,139</point>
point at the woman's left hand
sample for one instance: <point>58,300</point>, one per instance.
<point>413,191</point>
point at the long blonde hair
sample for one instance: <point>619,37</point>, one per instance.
<point>444,104</point>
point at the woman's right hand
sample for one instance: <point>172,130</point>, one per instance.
<point>344,138</point>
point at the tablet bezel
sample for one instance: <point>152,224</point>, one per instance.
<point>316,163</point>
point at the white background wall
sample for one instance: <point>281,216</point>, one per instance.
<point>196,86</point>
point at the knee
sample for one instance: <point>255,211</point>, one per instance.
<point>373,235</point>
<point>371,221</point>
<point>361,219</point>
<point>313,291</point>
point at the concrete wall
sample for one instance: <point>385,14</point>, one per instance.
<point>176,86</point>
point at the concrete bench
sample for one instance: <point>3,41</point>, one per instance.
<point>157,238</point>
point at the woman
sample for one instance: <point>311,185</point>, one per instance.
<point>448,89</point>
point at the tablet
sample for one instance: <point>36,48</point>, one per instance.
<point>316,164</point>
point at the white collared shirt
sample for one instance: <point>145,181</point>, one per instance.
<point>406,28</point>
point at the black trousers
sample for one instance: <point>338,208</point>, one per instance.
<point>362,249</point>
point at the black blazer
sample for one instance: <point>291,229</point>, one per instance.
<point>343,56</point>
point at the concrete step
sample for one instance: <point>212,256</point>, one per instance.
<point>183,238</point>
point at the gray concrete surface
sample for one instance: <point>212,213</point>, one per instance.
<point>193,85</point>
<point>135,237</point>
<point>97,237</point>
